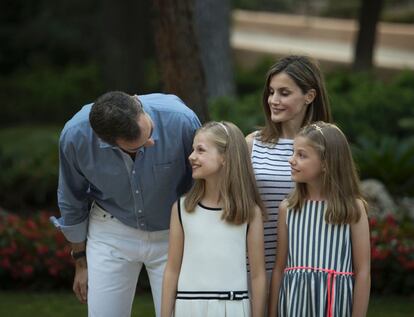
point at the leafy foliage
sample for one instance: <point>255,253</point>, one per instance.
<point>29,167</point>
<point>364,105</point>
<point>47,94</point>
<point>33,253</point>
<point>392,255</point>
<point>247,116</point>
<point>389,160</point>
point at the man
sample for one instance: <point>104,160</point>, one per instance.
<point>123,163</point>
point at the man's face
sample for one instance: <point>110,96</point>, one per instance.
<point>147,126</point>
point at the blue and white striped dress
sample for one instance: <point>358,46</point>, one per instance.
<point>318,278</point>
<point>274,182</point>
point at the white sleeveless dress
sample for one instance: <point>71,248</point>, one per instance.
<point>213,275</point>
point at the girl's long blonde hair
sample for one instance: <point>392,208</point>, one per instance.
<point>238,191</point>
<point>340,181</point>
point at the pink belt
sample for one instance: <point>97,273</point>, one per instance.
<point>331,282</point>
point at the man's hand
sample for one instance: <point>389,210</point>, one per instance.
<point>80,284</point>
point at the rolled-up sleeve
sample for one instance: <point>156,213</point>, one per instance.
<point>72,194</point>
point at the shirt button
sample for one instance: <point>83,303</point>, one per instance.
<point>140,211</point>
<point>137,192</point>
<point>133,172</point>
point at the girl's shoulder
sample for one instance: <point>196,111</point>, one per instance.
<point>258,212</point>
<point>284,206</point>
<point>362,206</point>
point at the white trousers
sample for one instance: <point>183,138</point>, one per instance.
<point>115,255</point>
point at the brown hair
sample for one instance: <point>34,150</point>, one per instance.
<point>114,116</point>
<point>238,190</point>
<point>340,181</point>
<point>305,72</point>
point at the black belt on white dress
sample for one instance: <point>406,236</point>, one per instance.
<point>223,295</point>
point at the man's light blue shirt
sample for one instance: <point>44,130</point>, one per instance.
<point>139,193</point>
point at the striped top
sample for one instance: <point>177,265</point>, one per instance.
<point>318,277</point>
<point>274,182</point>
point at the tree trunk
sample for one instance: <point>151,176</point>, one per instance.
<point>178,53</point>
<point>212,18</point>
<point>124,37</point>
<point>369,15</point>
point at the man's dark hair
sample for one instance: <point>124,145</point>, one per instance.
<point>114,116</point>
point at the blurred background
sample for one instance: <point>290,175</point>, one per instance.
<point>59,55</point>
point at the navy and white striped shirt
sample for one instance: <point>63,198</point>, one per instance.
<point>274,182</point>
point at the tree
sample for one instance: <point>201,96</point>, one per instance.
<point>178,53</point>
<point>369,14</point>
<point>124,38</point>
<point>212,19</point>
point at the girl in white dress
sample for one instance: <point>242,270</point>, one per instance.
<point>211,227</point>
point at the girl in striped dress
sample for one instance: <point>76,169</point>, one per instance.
<point>294,95</point>
<point>323,260</point>
<point>211,227</point>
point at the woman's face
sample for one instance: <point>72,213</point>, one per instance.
<point>286,101</point>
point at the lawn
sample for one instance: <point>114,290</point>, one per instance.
<point>22,304</point>
<point>19,304</point>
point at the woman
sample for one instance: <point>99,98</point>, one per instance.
<point>294,95</point>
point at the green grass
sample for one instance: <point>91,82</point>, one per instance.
<point>19,304</point>
<point>59,304</point>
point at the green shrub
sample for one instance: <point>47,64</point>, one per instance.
<point>250,81</point>
<point>389,160</point>
<point>29,167</point>
<point>33,253</point>
<point>392,255</point>
<point>365,106</point>
<point>47,94</point>
<point>246,112</point>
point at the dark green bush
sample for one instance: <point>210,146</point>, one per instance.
<point>29,167</point>
<point>365,106</point>
<point>246,112</point>
<point>47,94</point>
<point>389,160</point>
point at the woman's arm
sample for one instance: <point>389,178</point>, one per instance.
<point>172,269</point>
<point>361,254</point>
<point>281,258</point>
<point>255,248</point>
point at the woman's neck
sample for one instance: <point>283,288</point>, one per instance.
<point>290,129</point>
